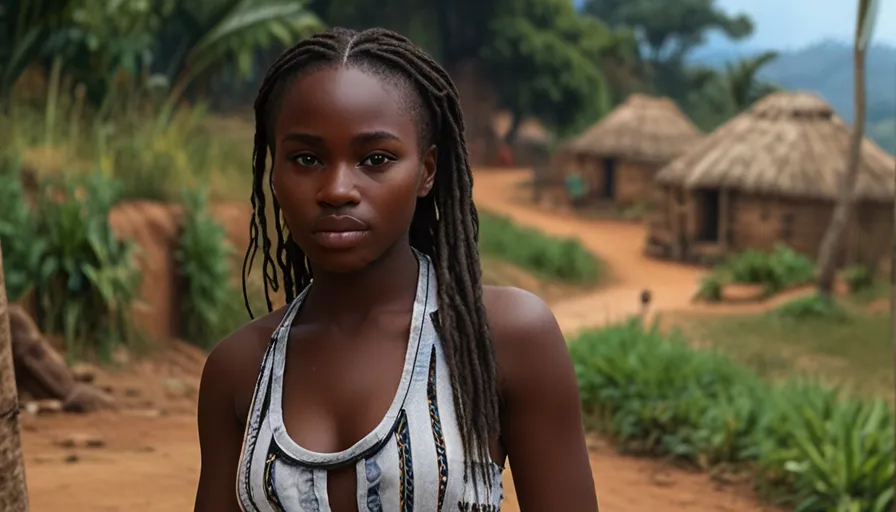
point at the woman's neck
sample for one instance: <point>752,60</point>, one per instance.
<point>384,284</point>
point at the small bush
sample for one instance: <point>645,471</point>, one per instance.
<point>858,279</point>
<point>810,446</point>
<point>564,259</point>
<point>813,306</point>
<point>711,286</point>
<point>777,270</point>
<point>85,281</point>
<point>203,259</point>
<point>22,248</point>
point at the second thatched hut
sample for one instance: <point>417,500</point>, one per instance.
<point>618,157</point>
<point>771,175</point>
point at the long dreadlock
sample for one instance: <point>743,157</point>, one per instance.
<point>445,225</point>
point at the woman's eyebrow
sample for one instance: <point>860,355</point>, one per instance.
<point>307,138</point>
<point>376,136</point>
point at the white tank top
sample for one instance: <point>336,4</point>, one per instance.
<point>412,460</point>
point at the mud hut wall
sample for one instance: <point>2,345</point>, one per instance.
<point>659,218</point>
<point>592,173</point>
<point>672,222</point>
<point>870,240</point>
<point>761,222</point>
<point>634,182</point>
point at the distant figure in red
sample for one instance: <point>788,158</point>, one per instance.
<point>505,156</point>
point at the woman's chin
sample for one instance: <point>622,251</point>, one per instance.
<point>341,262</point>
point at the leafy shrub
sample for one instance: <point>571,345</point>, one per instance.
<point>775,271</point>
<point>812,306</point>
<point>564,259</point>
<point>858,279</point>
<point>816,450</point>
<point>779,269</point>
<point>710,289</point>
<point>203,259</point>
<point>85,280</point>
<point>22,248</point>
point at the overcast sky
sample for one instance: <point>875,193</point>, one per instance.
<point>787,24</point>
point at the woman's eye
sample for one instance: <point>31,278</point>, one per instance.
<point>376,160</point>
<point>306,160</point>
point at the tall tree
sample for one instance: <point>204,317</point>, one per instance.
<point>545,61</point>
<point>669,31</point>
<point>832,242</point>
<point>13,495</point>
<point>541,58</point>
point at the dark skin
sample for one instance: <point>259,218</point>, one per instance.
<point>346,144</point>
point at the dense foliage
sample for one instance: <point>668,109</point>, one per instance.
<point>810,447</point>
<point>60,247</point>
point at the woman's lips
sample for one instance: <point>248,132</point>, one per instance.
<point>339,240</point>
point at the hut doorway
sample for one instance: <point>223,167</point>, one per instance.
<point>609,181</point>
<point>708,215</point>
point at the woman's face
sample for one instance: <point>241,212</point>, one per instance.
<point>348,168</point>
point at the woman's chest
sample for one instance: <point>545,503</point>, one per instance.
<point>398,478</point>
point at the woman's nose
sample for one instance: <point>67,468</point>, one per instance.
<point>338,186</point>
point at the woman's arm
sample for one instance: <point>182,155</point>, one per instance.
<point>220,430</point>
<point>541,423</point>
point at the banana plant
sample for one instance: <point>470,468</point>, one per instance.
<point>232,31</point>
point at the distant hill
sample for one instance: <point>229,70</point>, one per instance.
<point>826,68</point>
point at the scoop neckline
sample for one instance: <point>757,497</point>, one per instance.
<point>380,434</point>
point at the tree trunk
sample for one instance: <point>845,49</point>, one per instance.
<point>832,242</point>
<point>893,314</point>
<point>13,496</point>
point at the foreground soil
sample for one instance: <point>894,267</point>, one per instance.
<point>145,457</point>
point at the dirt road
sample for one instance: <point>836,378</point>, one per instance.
<point>149,457</point>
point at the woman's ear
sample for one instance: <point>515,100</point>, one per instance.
<point>429,167</point>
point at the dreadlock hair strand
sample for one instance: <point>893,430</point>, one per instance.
<point>445,226</point>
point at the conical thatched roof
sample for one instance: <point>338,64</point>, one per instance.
<point>788,144</point>
<point>643,128</point>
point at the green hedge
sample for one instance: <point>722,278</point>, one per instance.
<point>563,259</point>
<point>811,447</point>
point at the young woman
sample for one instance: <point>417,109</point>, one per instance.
<point>394,381</point>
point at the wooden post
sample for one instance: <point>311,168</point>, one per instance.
<point>893,308</point>
<point>13,494</point>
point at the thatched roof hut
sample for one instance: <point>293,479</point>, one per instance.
<point>790,144</point>
<point>771,175</point>
<point>643,129</point>
<point>619,155</point>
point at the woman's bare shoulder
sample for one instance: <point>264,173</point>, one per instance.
<point>233,365</point>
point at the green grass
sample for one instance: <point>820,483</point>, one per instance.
<point>148,161</point>
<point>809,447</point>
<point>845,345</point>
<point>561,259</point>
